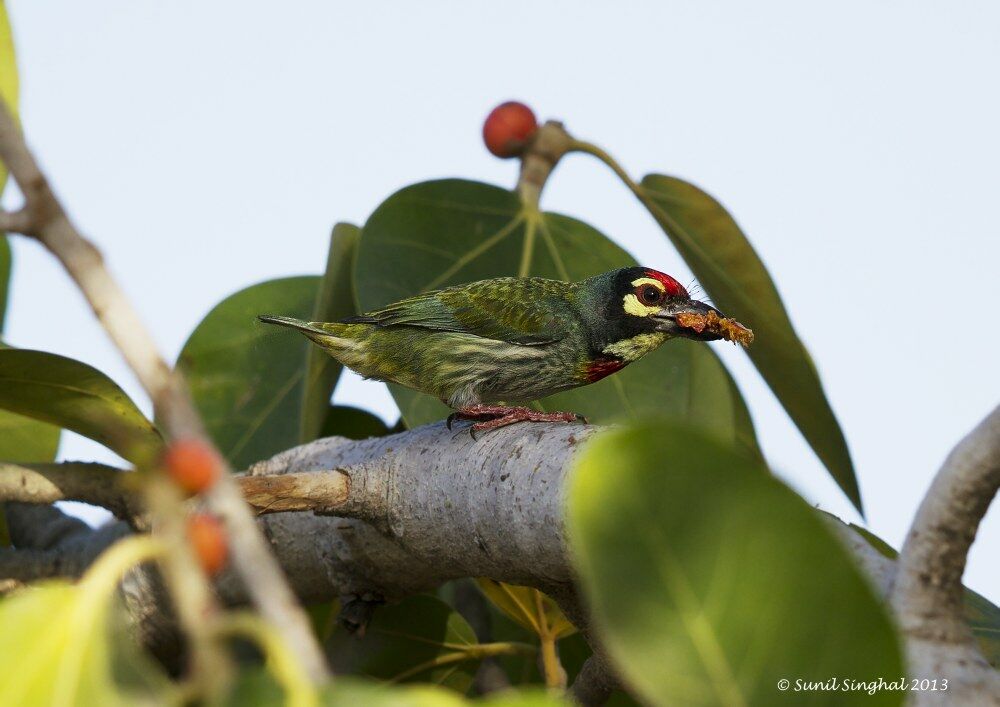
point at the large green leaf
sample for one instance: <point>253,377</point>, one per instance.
<point>71,394</point>
<point>334,301</point>
<point>733,275</point>
<point>452,231</point>
<point>23,439</point>
<point>62,645</point>
<point>246,378</point>
<point>733,581</point>
<point>409,641</point>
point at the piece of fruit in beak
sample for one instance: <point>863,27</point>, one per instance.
<point>712,323</point>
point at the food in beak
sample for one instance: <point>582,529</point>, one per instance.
<point>728,329</point>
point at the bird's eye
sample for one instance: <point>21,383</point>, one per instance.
<point>650,295</point>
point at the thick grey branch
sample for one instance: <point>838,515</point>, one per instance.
<point>927,590</point>
<point>428,506</point>
<point>71,481</point>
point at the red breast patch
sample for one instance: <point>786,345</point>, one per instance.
<point>602,368</point>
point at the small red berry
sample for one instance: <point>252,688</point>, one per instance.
<point>208,539</point>
<point>507,129</point>
<point>193,465</point>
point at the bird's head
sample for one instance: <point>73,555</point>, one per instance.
<point>635,301</point>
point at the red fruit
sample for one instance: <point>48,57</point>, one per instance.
<point>192,464</point>
<point>507,129</point>
<point>208,539</point>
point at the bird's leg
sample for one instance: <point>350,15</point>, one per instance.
<point>492,417</point>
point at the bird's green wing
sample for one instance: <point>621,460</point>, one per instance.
<point>527,311</point>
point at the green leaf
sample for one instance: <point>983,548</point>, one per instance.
<point>733,581</point>
<point>353,423</point>
<point>733,275</point>
<point>71,394</point>
<point>983,618</point>
<point>350,692</point>
<point>257,688</point>
<point>61,645</point>
<point>452,231</point>
<point>420,639</point>
<point>521,605</point>
<point>23,439</point>
<point>246,378</point>
<point>334,301</point>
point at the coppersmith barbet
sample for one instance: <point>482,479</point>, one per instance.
<point>509,339</point>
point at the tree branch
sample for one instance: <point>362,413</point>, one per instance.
<point>44,219</point>
<point>927,589</point>
<point>420,508</point>
<point>96,484</point>
<point>109,487</point>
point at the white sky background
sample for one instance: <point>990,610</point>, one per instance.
<point>209,146</point>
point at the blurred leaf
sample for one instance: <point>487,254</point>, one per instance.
<point>71,394</point>
<point>8,93</point>
<point>245,377</point>
<point>59,644</point>
<point>334,301</point>
<point>420,639</point>
<point>323,617</point>
<point>451,231</point>
<point>733,275</point>
<point>353,423</point>
<point>521,604</point>
<point>8,82</point>
<point>709,580</point>
<point>281,662</point>
<point>23,439</point>
<point>349,692</point>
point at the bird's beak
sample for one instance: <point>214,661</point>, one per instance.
<point>666,319</point>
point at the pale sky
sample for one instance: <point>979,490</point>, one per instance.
<point>209,146</point>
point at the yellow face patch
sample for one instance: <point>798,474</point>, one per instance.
<point>631,302</point>
<point>635,307</point>
<point>635,348</point>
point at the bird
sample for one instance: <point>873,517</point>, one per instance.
<point>481,346</point>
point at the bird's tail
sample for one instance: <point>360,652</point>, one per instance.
<point>291,323</point>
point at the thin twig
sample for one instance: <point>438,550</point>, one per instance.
<point>109,487</point>
<point>48,223</point>
<point>555,674</point>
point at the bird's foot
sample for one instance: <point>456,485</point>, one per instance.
<point>493,417</point>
